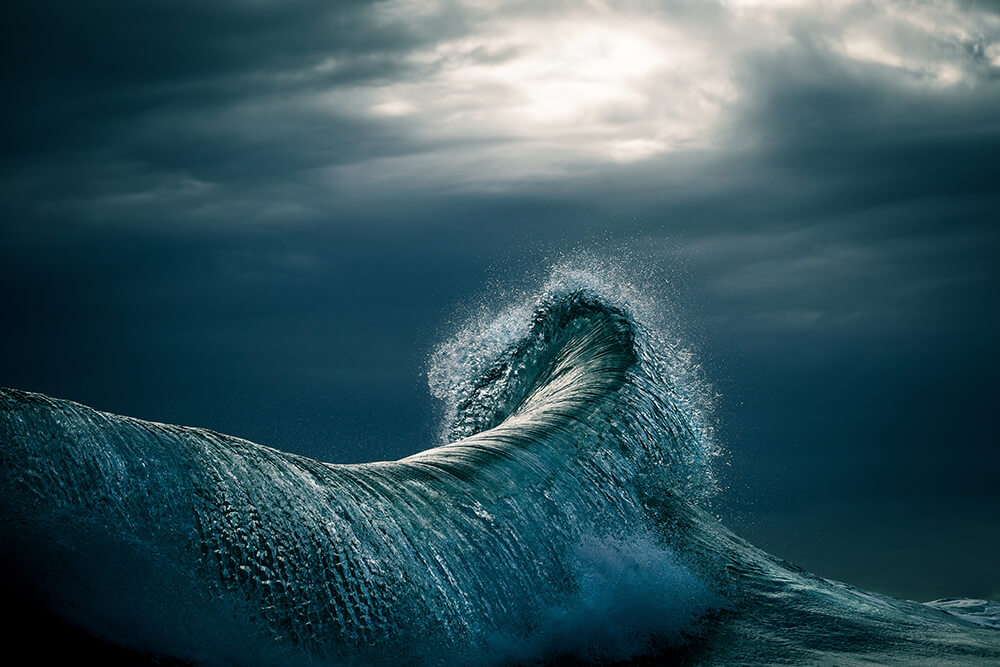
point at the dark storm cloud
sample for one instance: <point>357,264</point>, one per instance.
<point>230,112</point>
<point>175,47</point>
<point>194,86</point>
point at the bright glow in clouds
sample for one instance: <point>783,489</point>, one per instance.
<point>619,90</point>
<point>929,43</point>
<point>580,69</point>
<point>993,53</point>
<point>529,90</point>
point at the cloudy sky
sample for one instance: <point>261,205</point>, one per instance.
<point>260,216</point>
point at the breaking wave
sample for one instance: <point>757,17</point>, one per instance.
<point>561,520</point>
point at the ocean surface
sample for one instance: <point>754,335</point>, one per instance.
<point>561,520</point>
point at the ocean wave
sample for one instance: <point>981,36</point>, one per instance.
<point>561,520</point>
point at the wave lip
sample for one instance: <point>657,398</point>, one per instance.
<point>580,356</point>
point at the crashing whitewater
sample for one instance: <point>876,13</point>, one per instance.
<point>562,521</point>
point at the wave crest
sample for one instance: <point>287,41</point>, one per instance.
<point>582,357</point>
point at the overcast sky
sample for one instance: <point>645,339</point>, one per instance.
<point>261,216</point>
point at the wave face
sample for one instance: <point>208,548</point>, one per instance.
<point>561,521</point>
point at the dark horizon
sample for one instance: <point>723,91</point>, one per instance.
<point>261,218</point>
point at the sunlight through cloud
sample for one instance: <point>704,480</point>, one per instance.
<point>523,90</point>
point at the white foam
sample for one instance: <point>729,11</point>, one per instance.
<point>627,593</point>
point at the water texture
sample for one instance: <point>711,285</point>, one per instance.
<point>562,520</point>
